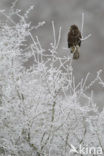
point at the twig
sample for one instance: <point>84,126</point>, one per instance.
<point>82,28</point>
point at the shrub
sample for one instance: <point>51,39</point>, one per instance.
<point>40,108</point>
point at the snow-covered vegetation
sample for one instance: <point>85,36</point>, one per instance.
<point>41,113</point>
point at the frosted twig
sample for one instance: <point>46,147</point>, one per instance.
<point>85,38</point>
<point>2,12</point>
<point>14,4</point>
<point>28,11</point>
<point>38,26</point>
<point>82,23</point>
<point>40,48</point>
<point>54,34</point>
<point>59,37</point>
<point>82,27</point>
<point>99,78</point>
<point>84,83</point>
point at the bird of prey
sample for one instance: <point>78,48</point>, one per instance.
<point>74,40</point>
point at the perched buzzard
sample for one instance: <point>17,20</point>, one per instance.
<point>74,41</point>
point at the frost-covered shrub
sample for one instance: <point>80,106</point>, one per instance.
<point>40,108</point>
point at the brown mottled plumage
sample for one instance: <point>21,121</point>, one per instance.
<point>74,41</point>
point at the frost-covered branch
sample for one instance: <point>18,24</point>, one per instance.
<point>82,28</point>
